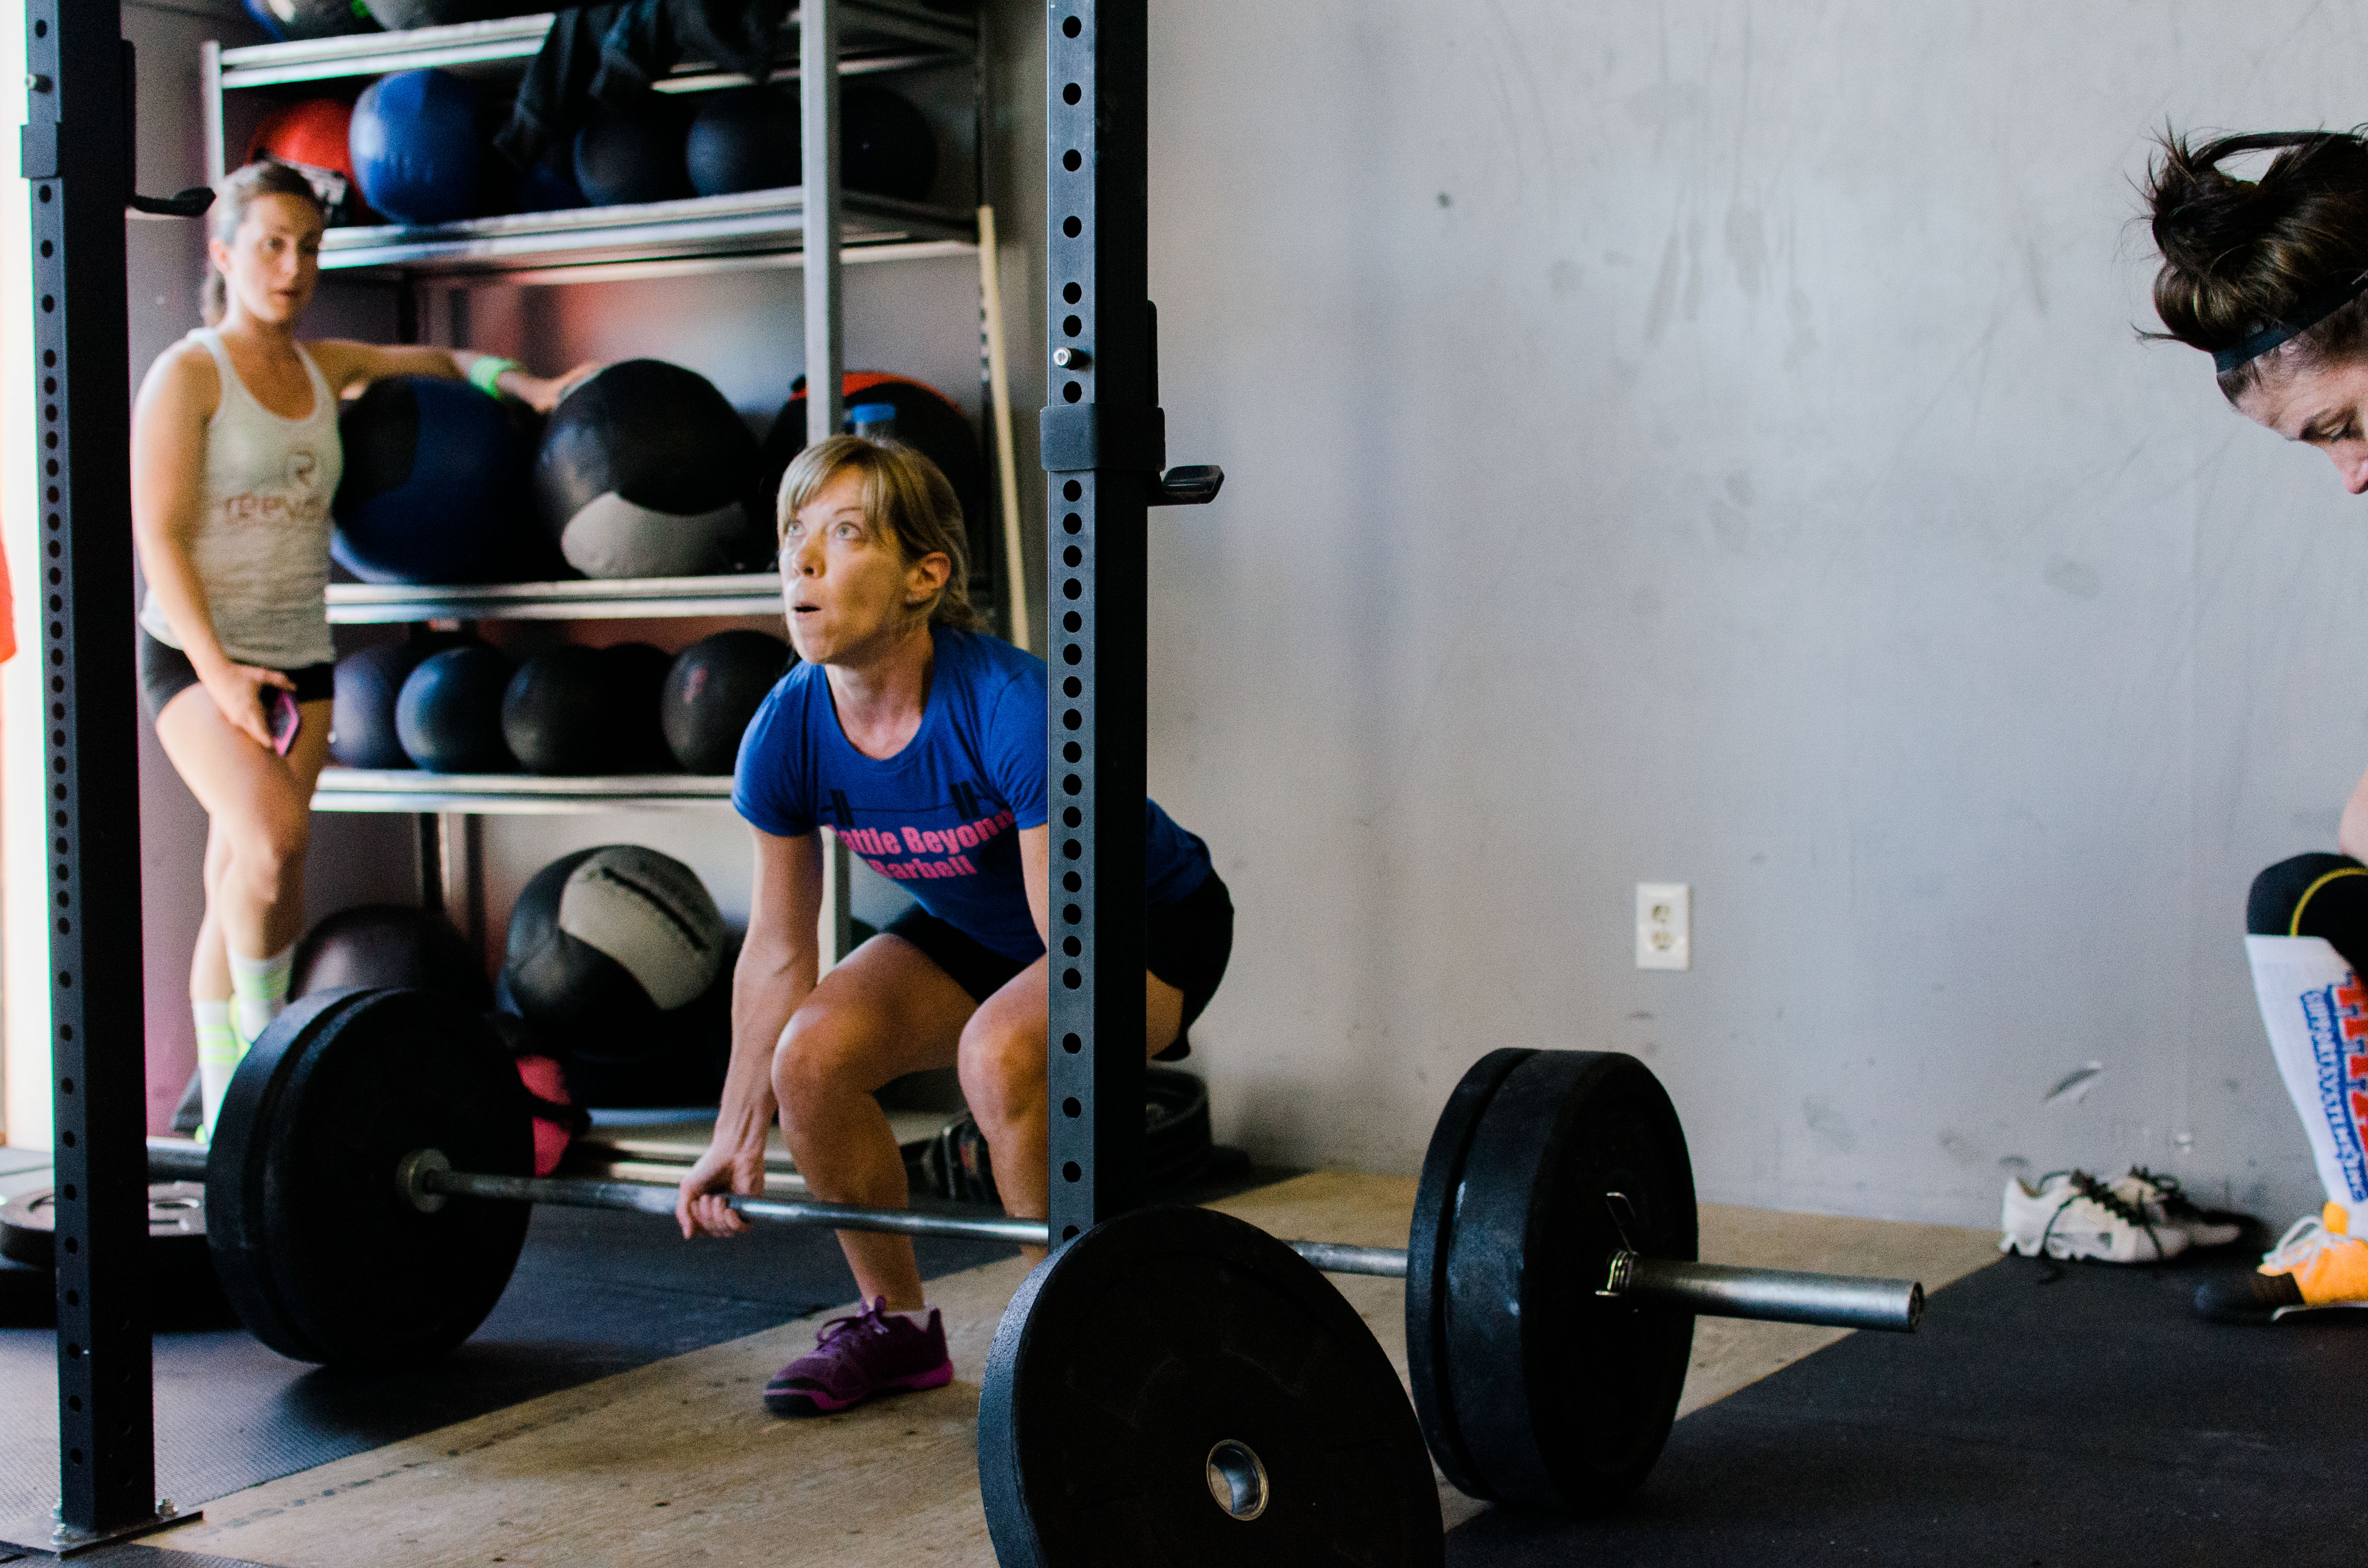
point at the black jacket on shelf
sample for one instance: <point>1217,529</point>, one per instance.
<point>610,54</point>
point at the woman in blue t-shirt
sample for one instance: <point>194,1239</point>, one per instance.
<point>922,742</point>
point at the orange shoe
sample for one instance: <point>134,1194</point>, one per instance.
<point>2315,1263</point>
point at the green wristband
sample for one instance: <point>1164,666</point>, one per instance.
<point>487,371</point>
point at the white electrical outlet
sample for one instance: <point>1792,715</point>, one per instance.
<point>1665,925</point>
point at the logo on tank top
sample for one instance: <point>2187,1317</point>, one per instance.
<point>300,500</point>
<point>2337,1017</point>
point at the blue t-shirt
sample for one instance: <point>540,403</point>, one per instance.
<point>942,816</point>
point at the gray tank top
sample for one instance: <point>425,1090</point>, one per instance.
<point>261,549</point>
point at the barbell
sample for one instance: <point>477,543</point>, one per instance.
<point>368,1184</point>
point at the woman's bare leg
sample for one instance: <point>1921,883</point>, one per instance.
<point>210,965</point>
<point>260,805</point>
<point>1002,1063</point>
<point>884,1011</point>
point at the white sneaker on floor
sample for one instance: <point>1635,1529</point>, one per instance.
<point>2072,1214</point>
<point>2160,1198</point>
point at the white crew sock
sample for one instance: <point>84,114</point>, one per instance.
<point>259,989</point>
<point>2316,1013</point>
<point>919,1320</point>
<point>218,1053</point>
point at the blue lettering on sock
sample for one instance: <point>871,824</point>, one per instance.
<point>2319,1010</point>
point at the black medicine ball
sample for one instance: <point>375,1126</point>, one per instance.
<point>388,945</point>
<point>644,471</point>
<point>610,940</point>
<point>362,721</point>
<point>747,138</point>
<point>449,716</point>
<point>885,146</point>
<point>927,420</point>
<point>623,156</point>
<point>715,687</point>
<point>557,713</point>
<point>636,674</point>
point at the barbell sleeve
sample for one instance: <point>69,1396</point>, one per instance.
<point>1768,1295</point>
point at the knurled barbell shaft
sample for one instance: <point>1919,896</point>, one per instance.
<point>426,1175</point>
<point>1834,1300</point>
<point>1708,1289</point>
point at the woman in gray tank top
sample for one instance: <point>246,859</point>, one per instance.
<point>234,458</point>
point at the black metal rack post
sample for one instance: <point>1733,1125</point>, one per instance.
<point>1103,450</point>
<point>77,153</point>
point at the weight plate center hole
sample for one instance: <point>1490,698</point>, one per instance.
<point>1236,1478</point>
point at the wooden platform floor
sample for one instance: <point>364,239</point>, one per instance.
<point>676,1462</point>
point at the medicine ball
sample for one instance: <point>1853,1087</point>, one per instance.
<point>361,720</point>
<point>643,473</point>
<point>714,688</point>
<point>310,138</point>
<point>632,155</point>
<point>549,187</point>
<point>608,940</point>
<point>415,146</point>
<point>681,1061</point>
<point>558,714</point>
<point>388,945</point>
<point>636,674</point>
<point>885,145</point>
<point>927,420</point>
<point>449,716</point>
<point>747,138</point>
<point>310,18</point>
<point>435,485</point>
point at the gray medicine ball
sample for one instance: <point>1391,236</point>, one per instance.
<point>605,940</point>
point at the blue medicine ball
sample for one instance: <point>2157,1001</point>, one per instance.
<point>436,484</point>
<point>361,724</point>
<point>415,147</point>
<point>449,714</point>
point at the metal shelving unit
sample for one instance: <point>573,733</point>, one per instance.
<point>822,41</point>
<point>585,599</point>
<point>875,35</point>
<point>763,223</point>
<point>495,795</point>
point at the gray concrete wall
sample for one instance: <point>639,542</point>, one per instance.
<point>1706,442</point>
<point>1703,442</point>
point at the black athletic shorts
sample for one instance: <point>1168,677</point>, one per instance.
<point>1187,944</point>
<point>166,673</point>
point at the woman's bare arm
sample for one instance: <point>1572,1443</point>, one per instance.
<point>2351,831</point>
<point>348,364</point>
<point>780,964</point>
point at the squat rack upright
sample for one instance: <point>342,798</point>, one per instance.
<point>1104,451</point>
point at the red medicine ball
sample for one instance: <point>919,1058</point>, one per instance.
<point>311,135</point>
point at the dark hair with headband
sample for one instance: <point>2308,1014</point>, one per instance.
<point>2265,272</point>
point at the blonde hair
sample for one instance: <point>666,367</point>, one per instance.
<point>236,193</point>
<point>906,497</point>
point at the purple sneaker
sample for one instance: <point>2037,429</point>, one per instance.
<point>855,1357</point>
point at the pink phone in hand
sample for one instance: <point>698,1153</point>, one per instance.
<point>285,719</point>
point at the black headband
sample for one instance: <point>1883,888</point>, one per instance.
<point>2312,311</point>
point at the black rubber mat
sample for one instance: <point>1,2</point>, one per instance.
<point>595,1293</point>
<point>2092,1421</point>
